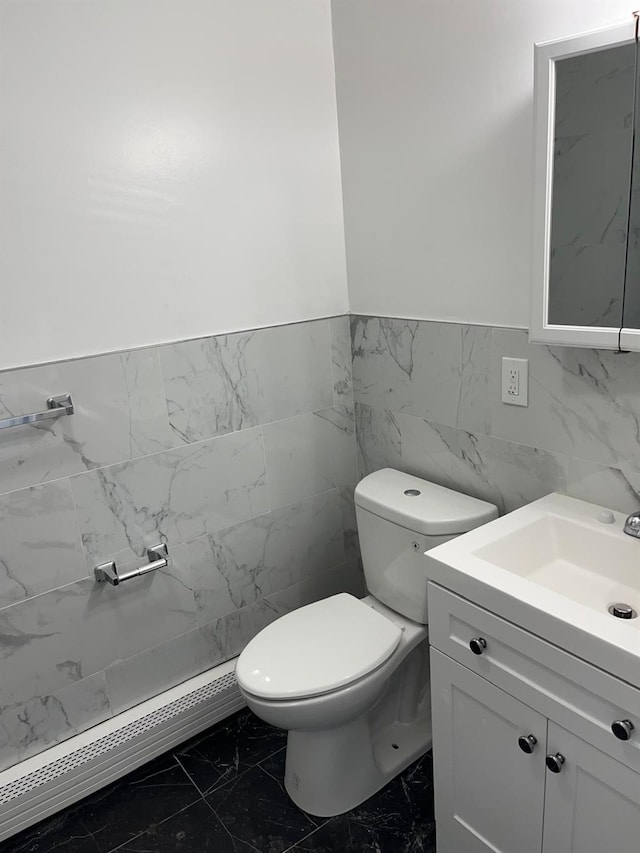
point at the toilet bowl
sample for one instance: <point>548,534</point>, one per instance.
<point>349,678</point>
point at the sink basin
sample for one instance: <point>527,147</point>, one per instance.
<point>554,567</point>
<point>585,564</point>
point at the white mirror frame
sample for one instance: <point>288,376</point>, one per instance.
<point>546,55</point>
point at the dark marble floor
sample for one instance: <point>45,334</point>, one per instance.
<point>222,792</point>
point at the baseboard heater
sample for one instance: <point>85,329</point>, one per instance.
<point>63,774</point>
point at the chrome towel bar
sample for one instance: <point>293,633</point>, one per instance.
<point>56,407</point>
<point>158,559</point>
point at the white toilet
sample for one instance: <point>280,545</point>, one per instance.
<point>349,678</point>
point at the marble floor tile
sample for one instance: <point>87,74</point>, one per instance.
<point>65,832</point>
<point>229,750</point>
<point>195,829</point>
<point>398,819</point>
<point>274,765</point>
<point>256,810</point>
<point>128,807</point>
<point>159,809</point>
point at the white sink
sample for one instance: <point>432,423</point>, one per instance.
<point>555,568</point>
<point>592,566</point>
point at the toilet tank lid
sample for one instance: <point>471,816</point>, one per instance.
<point>433,511</point>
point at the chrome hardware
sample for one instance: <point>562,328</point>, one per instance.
<point>554,762</point>
<point>412,493</point>
<point>527,743</point>
<point>632,524</point>
<point>622,729</point>
<point>158,559</point>
<point>477,645</point>
<point>621,610</point>
<point>57,406</point>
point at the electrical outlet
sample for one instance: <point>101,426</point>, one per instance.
<point>515,381</point>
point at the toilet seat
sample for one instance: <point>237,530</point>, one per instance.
<point>316,649</point>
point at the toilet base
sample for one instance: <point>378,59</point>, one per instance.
<point>329,773</point>
<point>345,745</point>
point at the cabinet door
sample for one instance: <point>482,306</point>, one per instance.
<point>593,804</point>
<point>489,793</point>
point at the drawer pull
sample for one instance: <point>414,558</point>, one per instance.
<point>477,645</point>
<point>555,762</point>
<point>527,743</point>
<point>622,729</point>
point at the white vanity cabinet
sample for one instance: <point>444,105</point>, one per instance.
<point>593,805</point>
<point>504,719</point>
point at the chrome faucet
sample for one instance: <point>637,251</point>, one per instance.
<point>632,524</point>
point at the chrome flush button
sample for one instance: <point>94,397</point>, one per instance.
<point>412,493</point>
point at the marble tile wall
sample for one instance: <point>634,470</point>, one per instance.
<point>238,451</point>
<point>241,452</point>
<point>427,400</point>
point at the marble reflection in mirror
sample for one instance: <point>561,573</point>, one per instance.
<point>631,313</point>
<point>593,144</point>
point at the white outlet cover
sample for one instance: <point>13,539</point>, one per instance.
<point>521,367</point>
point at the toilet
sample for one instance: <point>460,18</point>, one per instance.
<point>348,678</point>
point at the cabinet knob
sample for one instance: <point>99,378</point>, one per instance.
<point>555,762</point>
<point>622,729</point>
<point>477,645</point>
<point>527,743</point>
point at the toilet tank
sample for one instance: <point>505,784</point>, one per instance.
<point>399,518</point>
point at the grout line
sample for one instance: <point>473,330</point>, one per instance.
<point>233,838</point>
<point>264,770</point>
<point>70,810</point>
<point>308,835</point>
<point>188,775</point>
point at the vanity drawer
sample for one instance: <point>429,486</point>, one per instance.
<point>559,685</point>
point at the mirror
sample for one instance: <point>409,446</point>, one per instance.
<point>593,141</point>
<point>631,308</point>
<point>587,208</point>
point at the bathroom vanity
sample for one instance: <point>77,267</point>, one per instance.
<point>536,685</point>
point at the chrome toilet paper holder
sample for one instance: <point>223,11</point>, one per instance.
<point>158,556</point>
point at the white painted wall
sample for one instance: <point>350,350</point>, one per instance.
<point>168,169</point>
<point>435,114</point>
